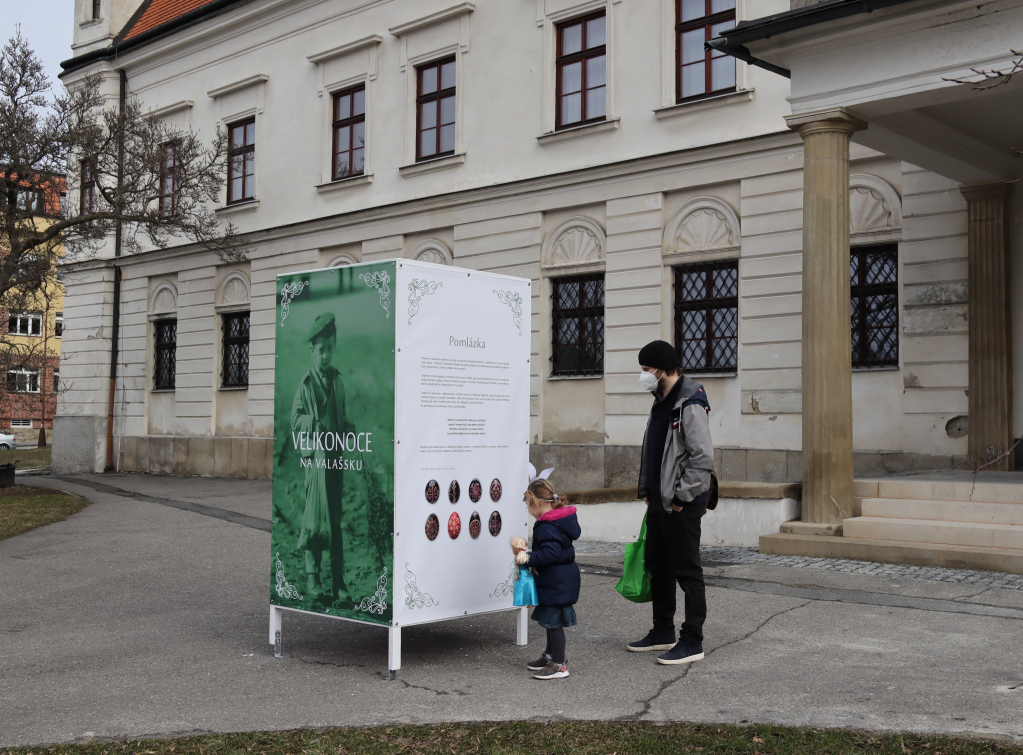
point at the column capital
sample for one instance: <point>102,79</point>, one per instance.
<point>832,119</point>
<point>991,190</point>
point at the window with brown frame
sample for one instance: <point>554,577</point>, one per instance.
<point>577,325</point>
<point>169,180</point>
<point>235,343</point>
<point>874,301</point>
<point>581,64</point>
<point>96,8</point>
<point>349,124</point>
<point>700,72</point>
<point>435,108</point>
<point>165,365</point>
<point>707,316</point>
<point>241,159</point>
<point>87,200</point>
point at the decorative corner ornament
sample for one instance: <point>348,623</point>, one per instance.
<point>377,602</point>
<point>507,587</point>
<point>414,598</point>
<point>283,588</point>
<point>289,292</point>
<point>379,281</point>
<point>417,289</point>
<point>513,300</point>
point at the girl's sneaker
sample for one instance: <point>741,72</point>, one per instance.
<point>540,663</point>
<point>552,671</point>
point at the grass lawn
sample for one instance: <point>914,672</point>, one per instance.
<point>26,458</point>
<point>23,508</point>
<point>553,739</point>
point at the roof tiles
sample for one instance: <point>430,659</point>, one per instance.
<point>158,12</point>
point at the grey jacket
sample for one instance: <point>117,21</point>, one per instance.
<point>688,452</point>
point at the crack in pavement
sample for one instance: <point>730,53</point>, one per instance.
<point>326,663</point>
<point>438,692</point>
<point>665,685</point>
<point>975,595</point>
<point>196,508</point>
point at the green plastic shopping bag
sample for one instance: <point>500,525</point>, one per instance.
<point>635,582</point>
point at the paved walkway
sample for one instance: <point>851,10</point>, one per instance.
<point>146,614</point>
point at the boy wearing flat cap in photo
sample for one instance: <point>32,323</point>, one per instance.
<point>674,481</point>
<point>319,406</point>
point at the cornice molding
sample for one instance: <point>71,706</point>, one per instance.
<point>336,52</point>
<point>434,18</point>
<point>248,81</point>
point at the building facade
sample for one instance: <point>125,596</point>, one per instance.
<point>649,188</point>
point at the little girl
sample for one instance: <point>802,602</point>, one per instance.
<point>557,575</point>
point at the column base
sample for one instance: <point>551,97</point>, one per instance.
<point>812,528</point>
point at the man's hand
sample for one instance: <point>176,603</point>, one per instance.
<point>522,557</point>
<point>675,507</point>
<point>646,501</point>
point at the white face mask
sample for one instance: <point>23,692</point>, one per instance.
<point>648,380</point>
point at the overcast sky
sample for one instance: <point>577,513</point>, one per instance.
<point>46,24</point>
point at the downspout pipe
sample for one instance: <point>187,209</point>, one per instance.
<point>115,331</point>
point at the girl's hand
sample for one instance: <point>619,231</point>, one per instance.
<point>522,557</point>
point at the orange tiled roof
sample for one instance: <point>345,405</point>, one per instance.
<point>158,12</point>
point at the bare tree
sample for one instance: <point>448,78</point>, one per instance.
<point>76,168</point>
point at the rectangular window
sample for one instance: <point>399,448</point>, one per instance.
<point>349,124</point>
<point>169,180</point>
<point>701,72</point>
<point>241,161</point>
<point>165,363</point>
<point>435,107</point>
<point>707,316</point>
<point>56,381</point>
<point>235,372</point>
<point>577,325</point>
<point>25,323</point>
<point>23,381</point>
<point>58,325</point>
<point>874,300</point>
<point>87,200</point>
<point>21,423</point>
<point>581,65</point>
<point>96,9</point>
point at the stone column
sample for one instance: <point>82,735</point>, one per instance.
<point>990,314</point>
<point>827,349</point>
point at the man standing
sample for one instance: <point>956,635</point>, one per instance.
<point>674,481</point>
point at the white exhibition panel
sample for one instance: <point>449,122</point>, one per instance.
<point>462,414</point>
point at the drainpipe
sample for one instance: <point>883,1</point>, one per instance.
<point>115,330</point>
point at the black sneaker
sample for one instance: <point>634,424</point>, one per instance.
<point>540,663</point>
<point>654,640</point>
<point>683,652</point>
<point>552,671</point>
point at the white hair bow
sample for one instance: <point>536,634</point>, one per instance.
<point>533,476</point>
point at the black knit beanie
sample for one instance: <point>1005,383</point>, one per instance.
<point>660,355</point>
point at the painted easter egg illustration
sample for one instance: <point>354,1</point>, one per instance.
<point>475,525</point>
<point>432,491</point>
<point>454,491</point>
<point>475,491</point>
<point>432,527</point>
<point>454,525</point>
<point>495,490</point>
<point>495,524</point>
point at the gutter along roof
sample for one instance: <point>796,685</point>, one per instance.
<point>733,42</point>
<point>153,20</point>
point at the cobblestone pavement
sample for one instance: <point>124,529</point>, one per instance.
<point>723,556</point>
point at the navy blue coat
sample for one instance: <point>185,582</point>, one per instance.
<point>553,557</point>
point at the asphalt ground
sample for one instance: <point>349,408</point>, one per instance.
<point>146,614</point>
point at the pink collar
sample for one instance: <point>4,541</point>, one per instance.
<point>559,513</point>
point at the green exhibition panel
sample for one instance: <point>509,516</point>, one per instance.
<point>401,437</point>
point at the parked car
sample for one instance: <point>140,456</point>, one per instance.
<point>7,442</point>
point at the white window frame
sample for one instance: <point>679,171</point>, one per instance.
<point>21,423</point>
<point>27,317</point>
<point>58,321</point>
<point>239,101</point>
<point>27,374</point>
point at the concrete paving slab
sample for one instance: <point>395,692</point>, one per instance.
<point>135,617</point>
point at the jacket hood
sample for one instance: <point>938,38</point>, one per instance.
<point>687,388</point>
<point>564,519</point>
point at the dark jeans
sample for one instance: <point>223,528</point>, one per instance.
<point>673,555</point>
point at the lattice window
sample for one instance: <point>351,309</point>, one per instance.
<point>707,316</point>
<point>874,301</point>
<point>165,366</point>
<point>577,332</point>
<point>235,372</point>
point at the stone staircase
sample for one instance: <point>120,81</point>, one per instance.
<point>943,519</point>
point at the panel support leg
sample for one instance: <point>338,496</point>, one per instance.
<point>275,629</point>
<point>522,626</point>
<point>393,651</point>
